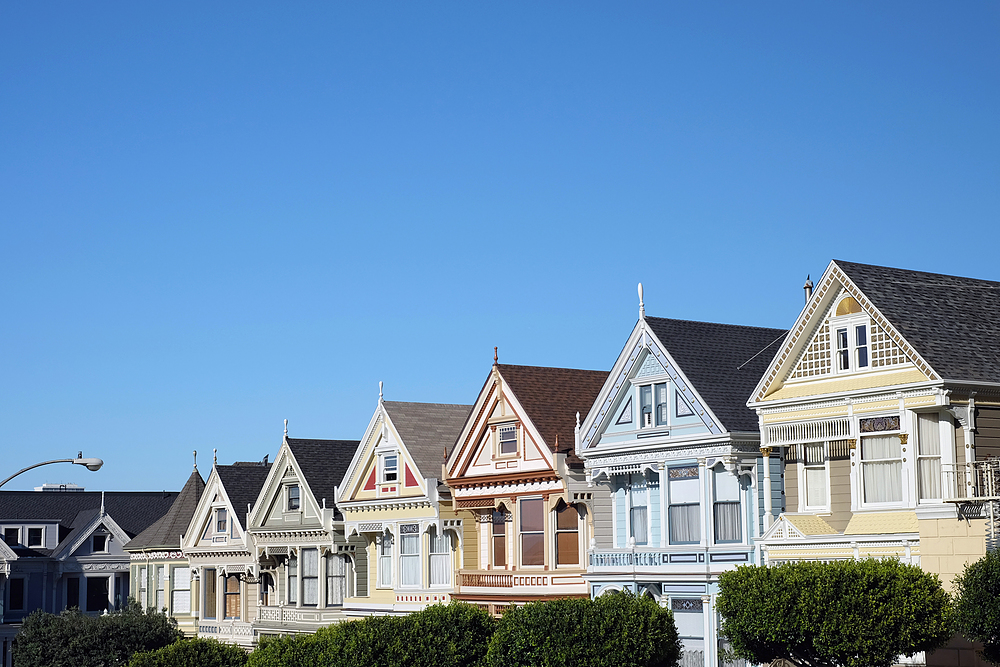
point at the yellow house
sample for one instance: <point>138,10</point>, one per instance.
<point>883,406</point>
<point>392,497</point>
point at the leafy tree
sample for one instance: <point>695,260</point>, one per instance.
<point>839,614</point>
<point>189,652</point>
<point>977,604</point>
<point>73,639</point>
<point>618,630</point>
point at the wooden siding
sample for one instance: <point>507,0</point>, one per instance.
<point>603,524</point>
<point>959,444</point>
<point>987,433</point>
<point>840,495</point>
<point>791,485</point>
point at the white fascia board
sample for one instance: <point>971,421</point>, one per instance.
<point>459,452</point>
<point>344,490</point>
<point>611,386</point>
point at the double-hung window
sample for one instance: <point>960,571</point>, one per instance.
<point>210,583</point>
<point>220,521</point>
<point>336,579</point>
<point>385,560</point>
<point>390,468</point>
<point>440,557</point>
<point>507,437</point>
<point>310,577</point>
<point>143,587</point>
<point>567,535</point>
<point>161,583</point>
<point>684,512</point>
<point>532,532</point>
<point>409,554</point>
<point>180,596</point>
<point>294,500</point>
<point>293,580</point>
<point>814,473</point>
<point>34,537</point>
<point>662,407</point>
<point>232,593</point>
<point>728,522</point>
<point>638,509</point>
<point>499,524</point>
<point>882,469</point>
<point>646,406</point>
<point>928,457</point>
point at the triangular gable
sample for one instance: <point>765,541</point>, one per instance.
<point>86,531</point>
<point>360,480</point>
<point>6,553</point>
<point>474,455</point>
<point>215,493</point>
<point>799,356</point>
<point>643,348</point>
<point>783,529</point>
<point>285,470</point>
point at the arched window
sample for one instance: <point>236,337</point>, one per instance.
<point>440,561</point>
<point>499,525</point>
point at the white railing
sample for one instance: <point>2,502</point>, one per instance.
<point>226,629</point>
<point>278,614</point>
<point>971,482</point>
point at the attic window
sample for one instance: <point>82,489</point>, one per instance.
<point>100,543</point>
<point>220,521</point>
<point>293,497</point>
<point>848,306</point>
<point>34,537</point>
<point>850,329</point>
<point>390,468</point>
<point>507,438</point>
<point>11,535</point>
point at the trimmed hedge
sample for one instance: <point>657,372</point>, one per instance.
<point>454,635</point>
<point>189,652</point>
<point>977,604</point>
<point>617,630</point>
<point>73,639</point>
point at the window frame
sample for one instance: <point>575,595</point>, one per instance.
<point>631,497</point>
<point>23,582</point>
<point>210,594</point>
<point>17,535</point>
<point>93,543</point>
<point>904,493</point>
<point>435,540</point>
<point>850,324</point>
<point>575,531</point>
<point>522,533</point>
<point>291,498</point>
<point>412,536</point>
<point>228,596</point>
<point>221,521</point>
<point>383,556</point>
<point>716,502</point>
<point>498,518</point>
<point>309,575</point>
<point>803,467</point>
<point>384,469</point>
<point>41,536</point>
<point>503,428</point>
<point>671,504</point>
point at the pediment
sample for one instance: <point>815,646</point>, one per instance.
<point>270,508</point>
<point>809,351</point>
<point>201,530</point>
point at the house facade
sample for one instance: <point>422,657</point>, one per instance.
<point>671,439</point>
<point>883,409</point>
<point>392,497</point>
<point>518,484</point>
<point>65,549</point>
<point>160,573</point>
<point>304,566</point>
<point>218,546</point>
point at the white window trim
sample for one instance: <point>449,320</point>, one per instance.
<point>517,440</point>
<point>392,560</point>
<point>907,473</point>
<point>518,547</point>
<point>419,557</point>
<point>804,505</point>
<point>27,538</point>
<point>849,322</point>
<point>288,496</point>
<point>381,466</point>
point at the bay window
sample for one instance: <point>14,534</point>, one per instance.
<point>882,469</point>
<point>385,560</point>
<point>928,457</point>
<point>499,538</point>
<point>567,535</point>
<point>232,594</point>
<point>293,580</point>
<point>638,509</point>
<point>310,577</point>
<point>440,558</point>
<point>728,521</point>
<point>814,475</point>
<point>532,532</point>
<point>409,554</point>
<point>684,511</point>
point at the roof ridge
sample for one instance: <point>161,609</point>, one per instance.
<point>842,263</point>
<point>553,368</point>
<point>718,324</point>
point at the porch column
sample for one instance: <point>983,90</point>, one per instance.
<point>111,590</point>
<point>703,500</point>
<point>768,516</point>
<point>710,640</point>
<point>664,518</point>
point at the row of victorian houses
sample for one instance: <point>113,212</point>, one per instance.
<point>869,429</point>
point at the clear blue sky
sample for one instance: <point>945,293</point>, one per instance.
<point>217,216</point>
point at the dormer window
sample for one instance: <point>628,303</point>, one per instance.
<point>851,336</point>
<point>390,468</point>
<point>293,497</point>
<point>507,439</point>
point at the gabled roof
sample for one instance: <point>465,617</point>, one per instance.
<point>243,481</point>
<point>428,430</point>
<point>952,322</point>
<point>323,464</point>
<point>552,397</point>
<point>134,511</point>
<point>166,532</point>
<point>724,362</point>
<point>85,523</point>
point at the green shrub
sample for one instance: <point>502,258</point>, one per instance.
<point>618,630</point>
<point>190,652</point>
<point>977,604</point>
<point>454,635</point>
<point>845,613</point>
<point>73,639</point>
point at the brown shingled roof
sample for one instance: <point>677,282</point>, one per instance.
<point>552,397</point>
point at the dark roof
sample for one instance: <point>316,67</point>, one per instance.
<point>133,511</point>
<point>428,430</point>
<point>243,481</point>
<point>166,532</point>
<point>723,362</point>
<point>952,322</point>
<point>552,397</point>
<point>323,463</point>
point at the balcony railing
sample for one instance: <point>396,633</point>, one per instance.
<point>487,580</point>
<point>973,483</point>
<point>231,630</point>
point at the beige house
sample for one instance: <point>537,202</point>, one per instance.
<point>884,408</point>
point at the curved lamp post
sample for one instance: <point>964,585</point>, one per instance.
<point>92,464</point>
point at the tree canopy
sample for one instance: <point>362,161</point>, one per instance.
<point>839,614</point>
<point>977,604</point>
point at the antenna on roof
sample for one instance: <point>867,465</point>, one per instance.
<point>380,390</point>
<point>215,457</point>
<point>642,306</point>
<point>495,355</point>
<point>808,287</point>
<point>196,460</point>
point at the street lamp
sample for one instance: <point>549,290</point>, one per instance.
<point>92,464</point>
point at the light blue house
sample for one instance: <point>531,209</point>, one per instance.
<point>671,436</point>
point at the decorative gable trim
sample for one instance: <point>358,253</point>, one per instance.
<point>833,279</point>
<point>85,535</point>
<point>6,553</point>
<point>284,463</point>
<point>783,529</point>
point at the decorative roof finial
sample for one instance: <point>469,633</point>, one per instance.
<point>286,428</point>
<point>380,390</point>
<point>196,460</point>
<point>808,287</point>
<point>578,419</point>
<point>495,355</point>
<point>102,504</point>
<point>642,306</point>
<point>215,457</point>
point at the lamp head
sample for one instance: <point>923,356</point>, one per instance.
<point>93,465</point>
